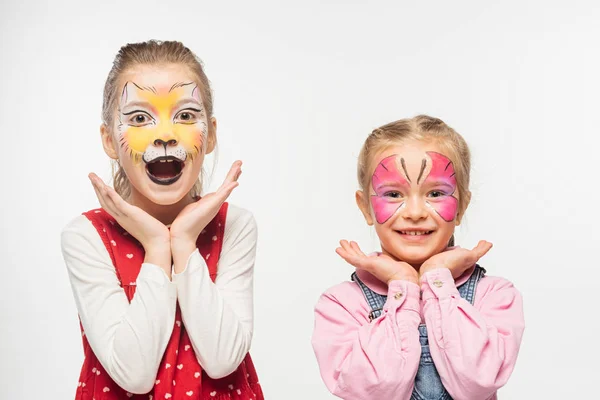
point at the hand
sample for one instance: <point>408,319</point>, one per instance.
<point>382,266</point>
<point>196,216</point>
<point>457,260</point>
<point>150,232</point>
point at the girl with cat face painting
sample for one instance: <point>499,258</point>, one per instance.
<point>420,320</point>
<point>159,320</point>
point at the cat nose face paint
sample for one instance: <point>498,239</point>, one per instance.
<point>435,183</point>
<point>162,125</point>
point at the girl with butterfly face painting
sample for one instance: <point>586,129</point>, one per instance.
<point>159,320</point>
<point>420,319</point>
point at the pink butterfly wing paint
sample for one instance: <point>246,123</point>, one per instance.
<point>442,170</point>
<point>385,173</point>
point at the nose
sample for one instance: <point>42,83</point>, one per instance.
<point>160,142</point>
<point>415,209</point>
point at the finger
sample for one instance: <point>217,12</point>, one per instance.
<point>225,191</point>
<point>121,205</point>
<point>110,203</point>
<point>105,202</point>
<point>346,246</point>
<point>233,174</point>
<point>98,194</point>
<point>350,258</point>
<point>482,248</point>
<point>356,248</point>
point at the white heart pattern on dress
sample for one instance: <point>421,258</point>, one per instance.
<point>197,374</point>
<point>130,256</point>
<point>180,366</point>
<point>106,390</point>
<point>190,393</point>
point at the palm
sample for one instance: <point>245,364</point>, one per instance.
<point>381,266</point>
<point>138,223</point>
<point>457,260</point>
<point>195,216</point>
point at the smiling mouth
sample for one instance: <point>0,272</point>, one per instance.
<point>415,233</point>
<point>165,170</point>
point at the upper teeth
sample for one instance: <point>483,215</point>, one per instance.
<point>414,233</point>
<point>166,160</point>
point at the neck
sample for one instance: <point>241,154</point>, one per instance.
<point>164,213</point>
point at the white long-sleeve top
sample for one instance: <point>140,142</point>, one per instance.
<point>129,339</point>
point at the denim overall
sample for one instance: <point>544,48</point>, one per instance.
<point>428,385</point>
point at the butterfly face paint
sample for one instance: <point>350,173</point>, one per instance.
<point>162,125</point>
<point>391,183</point>
<point>386,181</point>
<point>443,181</point>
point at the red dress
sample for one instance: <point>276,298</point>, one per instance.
<point>179,376</point>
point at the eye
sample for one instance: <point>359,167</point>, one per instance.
<point>139,119</point>
<point>394,194</point>
<point>436,193</point>
<point>186,116</point>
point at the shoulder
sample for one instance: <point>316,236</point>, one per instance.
<point>347,296</point>
<point>496,286</point>
<point>78,228</point>
<point>82,246</point>
<point>240,221</point>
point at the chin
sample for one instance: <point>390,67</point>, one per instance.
<point>167,198</point>
<point>415,256</point>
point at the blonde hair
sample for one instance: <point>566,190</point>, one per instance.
<point>421,128</point>
<point>152,52</point>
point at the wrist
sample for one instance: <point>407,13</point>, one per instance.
<point>403,277</point>
<point>160,257</point>
<point>181,250</point>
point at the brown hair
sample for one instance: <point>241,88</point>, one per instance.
<point>152,52</point>
<point>423,128</point>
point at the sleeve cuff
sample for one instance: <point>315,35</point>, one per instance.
<point>403,294</point>
<point>438,283</point>
<point>195,263</point>
<point>154,274</point>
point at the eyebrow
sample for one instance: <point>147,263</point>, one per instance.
<point>439,183</point>
<point>189,100</point>
<point>180,84</point>
<point>142,104</point>
<point>391,184</point>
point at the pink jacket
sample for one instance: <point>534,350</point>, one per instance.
<point>474,347</point>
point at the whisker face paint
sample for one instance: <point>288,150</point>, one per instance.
<point>161,123</point>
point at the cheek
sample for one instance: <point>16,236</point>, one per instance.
<point>139,138</point>
<point>445,208</point>
<point>190,136</point>
<point>383,208</point>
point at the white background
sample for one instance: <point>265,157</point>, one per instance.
<point>297,90</point>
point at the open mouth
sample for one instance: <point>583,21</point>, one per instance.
<point>165,170</point>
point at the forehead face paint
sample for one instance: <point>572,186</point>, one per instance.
<point>442,177</point>
<point>165,123</point>
<point>391,183</point>
<point>387,181</point>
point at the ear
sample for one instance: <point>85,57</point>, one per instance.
<point>461,212</point>
<point>108,142</point>
<point>212,136</point>
<point>363,204</point>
